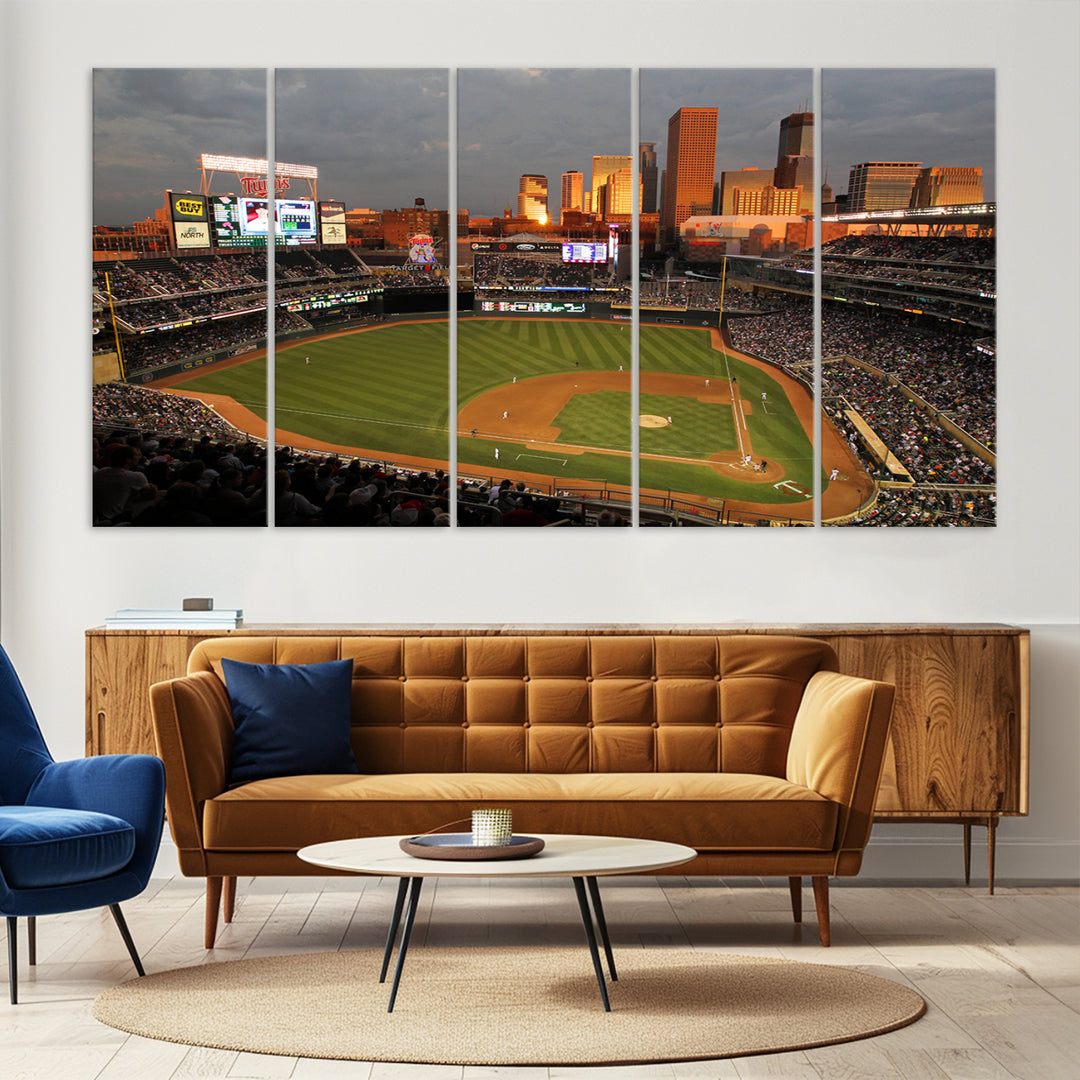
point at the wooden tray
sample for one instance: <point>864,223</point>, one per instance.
<point>460,846</point>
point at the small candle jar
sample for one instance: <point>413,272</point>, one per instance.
<point>491,828</point>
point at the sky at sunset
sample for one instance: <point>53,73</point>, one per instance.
<point>381,137</point>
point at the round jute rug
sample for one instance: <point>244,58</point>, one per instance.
<point>510,1006</point>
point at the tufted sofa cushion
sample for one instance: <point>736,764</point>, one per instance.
<point>559,704</point>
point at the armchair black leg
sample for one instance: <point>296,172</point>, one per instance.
<point>118,915</point>
<point>31,938</point>
<point>12,955</point>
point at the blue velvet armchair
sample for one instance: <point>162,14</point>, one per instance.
<point>73,834</point>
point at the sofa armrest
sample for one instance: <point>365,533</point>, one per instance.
<point>193,728</point>
<point>837,748</point>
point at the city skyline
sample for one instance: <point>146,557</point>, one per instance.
<point>380,138</point>
<point>513,122</point>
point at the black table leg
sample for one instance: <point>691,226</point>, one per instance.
<point>395,922</point>
<point>598,908</point>
<point>590,934</point>
<point>410,915</point>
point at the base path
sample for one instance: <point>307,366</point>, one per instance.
<point>525,412</point>
<point>532,404</point>
<point>840,497</point>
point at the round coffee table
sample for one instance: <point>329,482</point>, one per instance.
<point>582,858</point>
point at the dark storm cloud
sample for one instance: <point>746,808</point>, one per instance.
<point>150,126</point>
<point>380,138</point>
<point>936,116</point>
<point>542,121</point>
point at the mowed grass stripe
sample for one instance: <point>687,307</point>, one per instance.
<point>600,419</point>
<point>246,383</point>
<point>386,390</point>
<point>378,389</point>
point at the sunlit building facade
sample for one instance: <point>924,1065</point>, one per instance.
<point>948,185</point>
<point>532,200</point>
<point>882,185</point>
<point>571,193</point>
<point>769,201</point>
<point>603,165</point>
<point>743,181</point>
<point>691,167</point>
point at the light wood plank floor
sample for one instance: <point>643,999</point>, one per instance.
<point>1001,973</point>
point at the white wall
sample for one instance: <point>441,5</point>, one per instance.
<point>59,576</point>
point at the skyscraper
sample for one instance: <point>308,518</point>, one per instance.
<point>647,170</point>
<point>571,193</point>
<point>795,156</point>
<point>616,196</point>
<point>532,200</point>
<point>948,185</point>
<point>691,168</point>
<point>750,178</point>
<point>882,185</point>
<point>603,165</point>
<point>796,136</point>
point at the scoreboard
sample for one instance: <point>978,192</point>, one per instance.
<point>330,303</point>
<point>584,253</point>
<point>242,221</point>
<point>545,307</point>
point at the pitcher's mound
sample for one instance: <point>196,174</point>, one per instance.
<point>648,420</point>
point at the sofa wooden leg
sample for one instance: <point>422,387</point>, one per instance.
<point>795,885</point>
<point>230,898</point>
<point>213,905</point>
<point>821,902</point>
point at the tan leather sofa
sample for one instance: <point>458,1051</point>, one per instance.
<point>750,748</point>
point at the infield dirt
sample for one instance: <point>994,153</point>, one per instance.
<point>532,404</point>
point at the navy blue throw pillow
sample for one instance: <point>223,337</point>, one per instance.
<point>290,719</point>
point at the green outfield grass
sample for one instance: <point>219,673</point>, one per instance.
<point>385,390</point>
<point>492,351</point>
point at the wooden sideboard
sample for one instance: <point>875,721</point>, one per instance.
<point>959,746</point>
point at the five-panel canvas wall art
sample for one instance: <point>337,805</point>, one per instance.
<point>706,298</point>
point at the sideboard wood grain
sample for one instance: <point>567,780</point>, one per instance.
<point>959,747</point>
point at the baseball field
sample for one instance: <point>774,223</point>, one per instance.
<point>538,399</point>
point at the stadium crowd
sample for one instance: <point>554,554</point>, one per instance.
<point>543,271</point>
<point>968,250</point>
<point>943,366</point>
<point>928,452</point>
<point>137,408</point>
<point>152,350</point>
<point>929,506</point>
<point>194,472</point>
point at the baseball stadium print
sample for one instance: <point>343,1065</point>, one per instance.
<point>607,326</point>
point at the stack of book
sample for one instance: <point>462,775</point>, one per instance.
<point>175,619</point>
